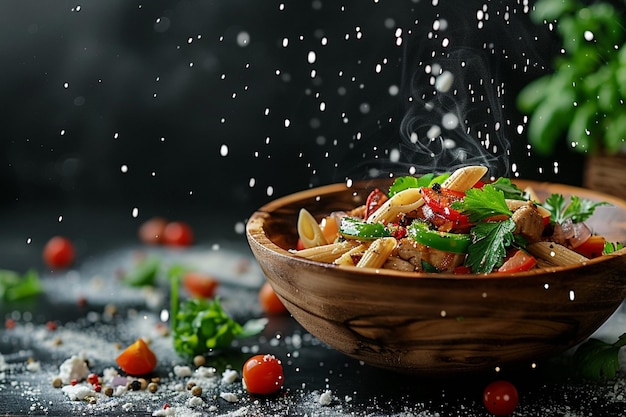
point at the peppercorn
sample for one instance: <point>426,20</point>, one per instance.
<point>135,385</point>
<point>153,387</point>
<point>57,382</point>
<point>196,391</point>
<point>199,360</point>
<point>108,391</point>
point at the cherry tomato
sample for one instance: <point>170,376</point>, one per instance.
<point>592,247</point>
<point>518,262</point>
<point>439,200</point>
<point>263,374</point>
<point>375,199</point>
<point>151,231</point>
<point>58,252</point>
<point>137,359</point>
<point>178,234</point>
<point>269,301</point>
<point>199,285</point>
<point>500,398</point>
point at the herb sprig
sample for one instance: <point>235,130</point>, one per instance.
<point>200,325</point>
<point>596,359</point>
<point>577,209</point>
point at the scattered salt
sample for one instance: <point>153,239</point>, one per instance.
<point>78,392</point>
<point>229,376</point>
<point>182,370</point>
<point>74,368</point>
<point>229,396</point>
<point>326,397</point>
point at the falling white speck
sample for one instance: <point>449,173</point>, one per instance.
<point>394,155</point>
<point>311,57</point>
<point>224,150</point>
<point>444,82</point>
<point>135,212</point>
<point>588,35</point>
<point>433,133</point>
<point>29,241</point>
<point>240,228</point>
<point>572,295</point>
<point>124,168</point>
<point>60,219</point>
<point>243,38</point>
<point>270,191</point>
<point>450,121</point>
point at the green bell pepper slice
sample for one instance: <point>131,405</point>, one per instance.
<point>448,242</point>
<point>353,228</point>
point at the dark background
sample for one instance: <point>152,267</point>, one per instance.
<point>211,111</point>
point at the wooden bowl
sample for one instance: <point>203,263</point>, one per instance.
<point>427,323</point>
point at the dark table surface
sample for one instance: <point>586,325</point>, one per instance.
<point>107,244</point>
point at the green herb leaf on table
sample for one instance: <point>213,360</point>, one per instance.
<point>14,287</point>
<point>596,359</point>
<point>144,273</point>
<point>489,243</point>
<point>203,325</point>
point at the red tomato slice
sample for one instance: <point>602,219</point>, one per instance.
<point>592,247</point>
<point>440,199</point>
<point>137,359</point>
<point>199,285</point>
<point>518,262</point>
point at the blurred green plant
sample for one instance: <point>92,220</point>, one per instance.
<point>584,98</point>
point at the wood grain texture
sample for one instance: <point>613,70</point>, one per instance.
<point>437,323</point>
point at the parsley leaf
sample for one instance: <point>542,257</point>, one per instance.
<point>201,325</point>
<point>596,359</point>
<point>489,243</point>
<point>406,182</point>
<point>15,287</point>
<point>577,210</point>
<point>480,204</point>
<point>510,190</point>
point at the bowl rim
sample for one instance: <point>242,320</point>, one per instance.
<point>256,233</point>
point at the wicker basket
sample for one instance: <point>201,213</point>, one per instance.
<point>606,173</point>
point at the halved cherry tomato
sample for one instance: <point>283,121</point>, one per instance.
<point>440,199</point>
<point>269,301</point>
<point>178,234</point>
<point>263,374</point>
<point>58,252</point>
<point>199,285</point>
<point>137,359</point>
<point>500,398</point>
<point>375,199</point>
<point>592,247</point>
<point>518,262</point>
<point>151,231</point>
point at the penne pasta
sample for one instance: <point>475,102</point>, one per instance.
<point>464,178</point>
<point>309,230</point>
<point>554,254</point>
<point>327,253</point>
<point>346,258</point>
<point>403,202</point>
<point>377,253</point>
